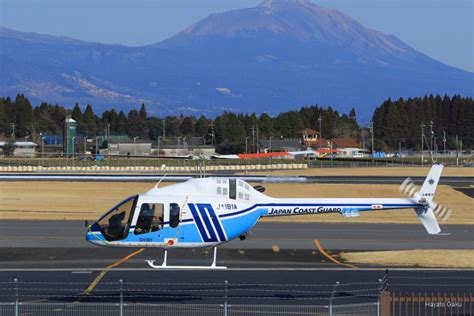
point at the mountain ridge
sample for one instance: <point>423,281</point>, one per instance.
<point>269,58</point>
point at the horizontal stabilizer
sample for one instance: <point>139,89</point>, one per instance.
<point>428,220</point>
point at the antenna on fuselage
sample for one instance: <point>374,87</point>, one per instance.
<point>156,185</point>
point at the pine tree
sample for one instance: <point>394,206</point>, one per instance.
<point>121,127</point>
<point>23,116</point>
<point>142,112</point>
<point>187,127</point>
<point>134,124</point>
<point>76,113</point>
<point>352,113</point>
<point>265,125</point>
<point>202,127</point>
<point>90,121</point>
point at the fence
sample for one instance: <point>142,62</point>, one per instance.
<point>427,303</point>
<point>428,292</point>
<point>236,299</point>
<point>106,309</point>
<point>54,161</point>
<point>223,299</point>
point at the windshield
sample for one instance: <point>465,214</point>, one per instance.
<point>115,224</point>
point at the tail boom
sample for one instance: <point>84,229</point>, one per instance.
<point>346,207</point>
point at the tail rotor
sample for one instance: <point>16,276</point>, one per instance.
<point>409,188</point>
<point>441,212</point>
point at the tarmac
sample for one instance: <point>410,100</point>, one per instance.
<point>280,263</point>
<point>61,245</point>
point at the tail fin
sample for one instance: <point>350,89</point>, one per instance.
<point>425,196</point>
<point>428,189</point>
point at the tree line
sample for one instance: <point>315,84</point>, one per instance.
<point>399,123</point>
<point>396,123</point>
<point>227,131</point>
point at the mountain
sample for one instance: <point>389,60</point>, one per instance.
<point>278,55</point>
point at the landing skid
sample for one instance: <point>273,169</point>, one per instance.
<point>165,265</point>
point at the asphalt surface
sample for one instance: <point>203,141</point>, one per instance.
<point>452,181</point>
<point>61,244</point>
<point>280,264</point>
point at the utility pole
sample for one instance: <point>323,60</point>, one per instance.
<point>13,131</point>
<point>258,144</point>
<point>372,139</point>
<point>320,120</point>
<point>26,140</point>
<point>422,140</point>
<point>158,141</point>
<point>108,138</point>
<point>246,144</point>
<point>42,147</point>
<point>212,133</point>
<point>457,152</point>
<point>253,137</point>
<point>444,142</point>
<point>431,140</point>
<point>134,145</point>
<point>73,149</point>
<point>164,128</point>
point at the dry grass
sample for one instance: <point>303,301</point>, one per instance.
<point>416,257</point>
<point>386,171</point>
<point>89,200</point>
<point>63,200</point>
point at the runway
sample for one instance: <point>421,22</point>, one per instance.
<point>61,244</point>
<point>290,264</point>
<point>445,180</point>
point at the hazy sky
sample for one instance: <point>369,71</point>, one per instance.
<point>442,29</point>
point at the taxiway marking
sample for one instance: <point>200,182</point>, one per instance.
<point>324,253</point>
<point>101,275</point>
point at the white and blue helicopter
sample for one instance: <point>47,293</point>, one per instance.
<point>206,212</point>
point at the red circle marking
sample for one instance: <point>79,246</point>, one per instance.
<point>170,242</point>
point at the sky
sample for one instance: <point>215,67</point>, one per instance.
<point>441,29</point>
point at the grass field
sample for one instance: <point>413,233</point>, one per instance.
<point>89,200</point>
<point>414,258</point>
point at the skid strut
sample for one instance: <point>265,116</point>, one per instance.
<point>164,264</point>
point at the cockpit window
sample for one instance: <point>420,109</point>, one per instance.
<point>150,218</point>
<point>115,224</point>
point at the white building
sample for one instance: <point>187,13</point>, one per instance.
<point>22,149</point>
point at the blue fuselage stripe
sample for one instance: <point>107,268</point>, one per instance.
<point>207,222</point>
<point>198,222</point>
<point>215,220</point>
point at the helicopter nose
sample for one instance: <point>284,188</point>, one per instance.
<point>94,236</point>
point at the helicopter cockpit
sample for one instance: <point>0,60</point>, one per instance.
<point>114,225</point>
<point>150,217</point>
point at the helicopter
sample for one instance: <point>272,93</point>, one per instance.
<point>207,212</point>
